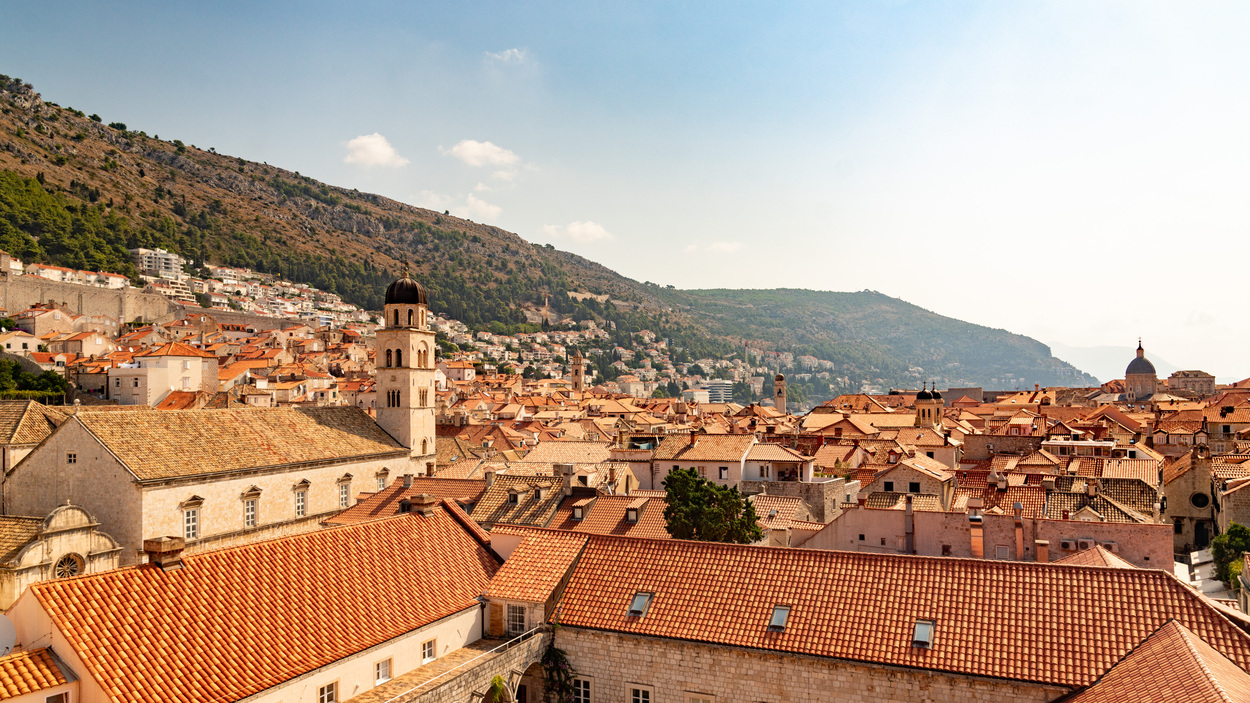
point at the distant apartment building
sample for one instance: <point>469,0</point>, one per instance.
<point>157,262</point>
<point>1199,382</point>
<point>719,390</point>
<point>154,374</point>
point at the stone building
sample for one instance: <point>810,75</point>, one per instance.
<point>1199,382</point>
<point>405,374</point>
<point>64,544</point>
<point>1188,484</point>
<point>212,477</point>
<point>155,373</point>
<point>1140,379</point>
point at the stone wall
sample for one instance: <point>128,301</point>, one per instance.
<point>459,686</point>
<point>671,669</point>
<point>823,498</point>
<point>979,447</point>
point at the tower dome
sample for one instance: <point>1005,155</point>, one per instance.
<point>924,393</point>
<point>406,291</point>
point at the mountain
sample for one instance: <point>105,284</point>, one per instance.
<point>77,192</point>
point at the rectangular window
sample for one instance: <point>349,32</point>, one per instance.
<point>699,698</point>
<point>381,482</point>
<point>428,651</point>
<point>581,691</point>
<point>58,698</point>
<point>71,457</point>
<point>249,512</point>
<point>638,694</point>
<point>136,382</point>
<point>781,614</point>
<point>1001,552</point>
<point>889,486</point>
<point>724,473</point>
<point>929,454</point>
<point>186,381</point>
<point>191,523</point>
<point>913,487</point>
<point>516,619</point>
<point>344,490</point>
<point>382,672</point>
<point>328,693</point>
<point>301,503</point>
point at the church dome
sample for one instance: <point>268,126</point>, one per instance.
<point>779,377</point>
<point>406,291</point>
<point>924,395</point>
<point>1140,365</point>
<point>935,394</point>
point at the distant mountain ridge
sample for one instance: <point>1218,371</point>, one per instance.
<point>77,192</point>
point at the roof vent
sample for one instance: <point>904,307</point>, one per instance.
<point>922,635</point>
<point>165,552</point>
<point>781,614</point>
<point>639,605</point>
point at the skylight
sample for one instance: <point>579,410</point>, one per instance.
<point>781,613</point>
<point>638,607</point>
<point>923,634</point>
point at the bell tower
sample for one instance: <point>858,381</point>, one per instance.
<point>779,392</point>
<point>578,370</point>
<point>404,357</point>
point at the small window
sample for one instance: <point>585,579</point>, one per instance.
<point>136,381</point>
<point>382,672</point>
<point>913,487</point>
<point>1178,526</point>
<point>777,623</point>
<point>929,454</point>
<point>328,693</point>
<point>581,691</point>
<point>428,652</point>
<point>639,605</point>
<point>889,486</point>
<point>58,698</point>
<point>946,550</point>
<point>631,515</point>
<point>516,619</point>
<point>577,512</point>
<point>1001,552</point>
<point>922,636</point>
<point>861,537</point>
<point>249,512</point>
<point>301,503</point>
<point>700,698</point>
<point>515,498</point>
<point>191,523</point>
<point>71,457</point>
<point>724,473</point>
<point>344,494</point>
<point>640,694</point>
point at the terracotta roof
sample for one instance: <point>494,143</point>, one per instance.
<point>16,532</point>
<point>177,349</point>
<point>920,502</point>
<point>536,566</point>
<point>561,452</point>
<point>495,507</point>
<point>774,452</point>
<point>30,671</point>
<point>385,502</point>
<point>1095,556</point>
<point>607,517</point>
<point>27,422</point>
<point>213,441</point>
<point>1173,664</point>
<point>1063,625</point>
<point>235,622</point>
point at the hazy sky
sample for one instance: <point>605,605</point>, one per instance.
<point>1078,172</point>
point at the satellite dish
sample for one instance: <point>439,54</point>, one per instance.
<point>8,635</point>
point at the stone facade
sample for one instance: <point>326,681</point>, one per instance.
<point>673,670</point>
<point>823,498</point>
<point>69,533</point>
<point>1190,505</point>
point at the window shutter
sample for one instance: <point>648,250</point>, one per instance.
<point>496,620</point>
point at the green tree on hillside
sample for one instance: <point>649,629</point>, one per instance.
<point>701,510</point>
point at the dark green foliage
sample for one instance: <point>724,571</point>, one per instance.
<point>119,126</point>
<point>558,675</point>
<point>1228,548</point>
<point>96,118</point>
<point>13,378</point>
<point>701,510</point>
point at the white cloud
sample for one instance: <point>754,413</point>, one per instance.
<point>690,248</point>
<point>370,150</point>
<point>579,232</point>
<point>507,56</point>
<point>480,209</point>
<point>483,188</point>
<point>475,153</point>
<point>725,247</point>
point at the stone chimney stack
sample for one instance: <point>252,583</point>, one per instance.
<point>165,552</point>
<point>423,504</point>
<point>1042,548</point>
<point>566,471</point>
<point>407,480</point>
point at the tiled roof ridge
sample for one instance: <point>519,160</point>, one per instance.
<point>1211,679</point>
<point>462,518</point>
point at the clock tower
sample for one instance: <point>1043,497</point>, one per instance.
<point>404,357</point>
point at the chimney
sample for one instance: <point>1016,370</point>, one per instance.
<point>1042,548</point>
<point>429,468</point>
<point>1002,482</point>
<point>165,552</point>
<point>490,478</point>
<point>1091,488</point>
<point>978,539</point>
<point>909,522</point>
<point>566,472</point>
<point>423,504</point>
<point>1048,483</point>
<point>407,480</point>
<point>1018,509</point>
<point>694,438</point>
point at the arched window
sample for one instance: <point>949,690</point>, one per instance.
<point>424,447</point>
<point>410,318</point>
<point>388,357</point>
<point>397,318</point>
<point>399,358</point>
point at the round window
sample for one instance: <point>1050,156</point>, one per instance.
<point>1199,500</point>
<point>67,566</point>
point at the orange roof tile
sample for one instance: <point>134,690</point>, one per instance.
<point>284,607</point>
<point>1055,624</point>
<point>537,565</point>
<point>30,671</point>
<point>1095,556</point>
<point>385,502</point>
<point>607,517</point>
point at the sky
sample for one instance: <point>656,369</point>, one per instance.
<point>1076,172</point>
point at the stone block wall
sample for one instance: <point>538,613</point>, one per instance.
<point>674,669</point>
<point>459,686</point>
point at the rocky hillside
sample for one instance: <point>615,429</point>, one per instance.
<point>76,190</point>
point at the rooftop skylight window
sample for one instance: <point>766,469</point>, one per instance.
<point>781,614</point>
<point>638,606</point>
<point>922,636</point>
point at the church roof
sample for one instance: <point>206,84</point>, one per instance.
<point>1140,365</point>
<point>406,291</point>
